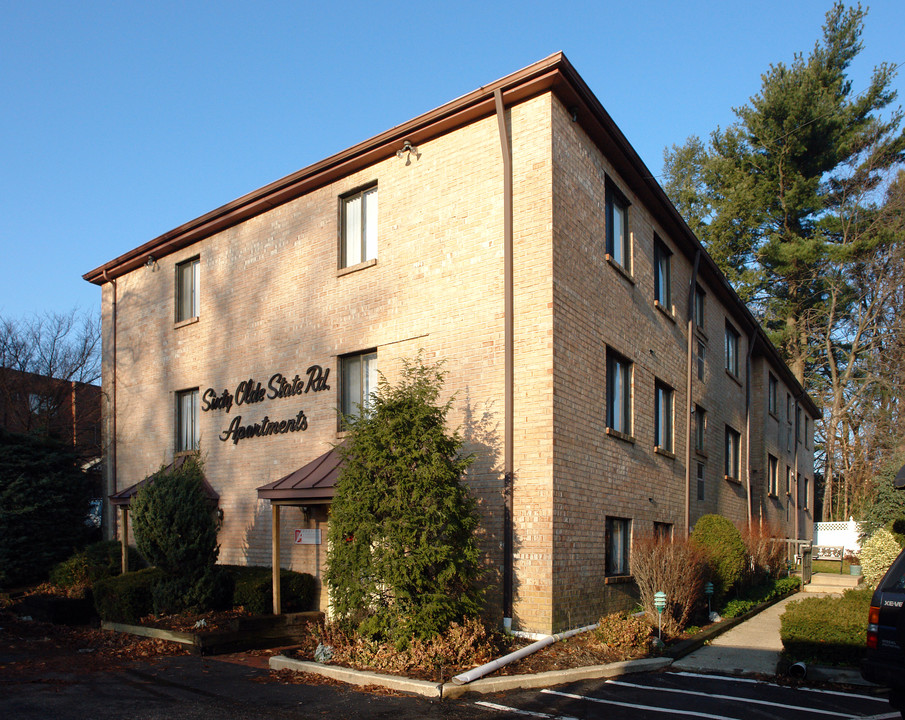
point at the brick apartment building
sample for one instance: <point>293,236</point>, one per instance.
<point>607,378</point>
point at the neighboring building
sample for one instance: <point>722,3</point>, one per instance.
<point>62,409</point>
<point>601,362</point>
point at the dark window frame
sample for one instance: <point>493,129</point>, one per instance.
<point>188,289</point>
<point>183,431</point>
<point>664,409</point>
<point>345,201</point>
<point>624,400</point>
<point>349,406</point>
<point>618,563</point>
<point>616,200</point>
<point>662,274</point>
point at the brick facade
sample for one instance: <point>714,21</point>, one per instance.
<point>274,299</point>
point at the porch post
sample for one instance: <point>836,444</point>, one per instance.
<point>124,515</point>
<point>275,564</point>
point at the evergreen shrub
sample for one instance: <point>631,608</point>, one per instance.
<point>44,501</point>
<point>621,631</point>
<point>878,552</point>
<point>126,598</point>
<point>722,545</point>
<point>176,531</point>
<point>403,561</point>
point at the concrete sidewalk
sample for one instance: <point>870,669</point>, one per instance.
<point>753,648</point>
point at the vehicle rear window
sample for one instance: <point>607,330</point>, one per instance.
<point>895,578</point>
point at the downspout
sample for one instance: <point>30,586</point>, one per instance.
<point>748,422</point>
<point>689,375</point>
<point>111,489</point>
<point>508,363</point>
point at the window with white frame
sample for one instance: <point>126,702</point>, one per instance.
<point>187,435</point>
<point>772,475</point>
<point>618,237</point>
<point>662,287</point>
<point>358,379</point>
<point>618,545</point>
<point>188,283</point>
<point>732,456</point>
<point>618,392</point>
<point>359,227</point>
<point>732,338</point>
<point>663,422</point>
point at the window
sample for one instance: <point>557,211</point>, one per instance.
<point>358,379</point>
<point>807,431</point>
<point>188,276</point>
<point>699,307</point>
<point>700,476</point>
<point>187,420</point>
<point>798,423</point>
<point>663,531</point>
<point>618,545</point>
<point>663,416</point>
<point>662,290</point>
<point>733,444</point>
<point>618,393</point>
<point>39,404</point>
<point>788,480</point>
<point>771,393</point>
<point>788,422</point>
<point>806,488</point>
<point>732,337</point>
<point>772,475</point>
<point>702,351</point>
<point>700,427</point>
<point>618,238</point>
<point>359,227</point>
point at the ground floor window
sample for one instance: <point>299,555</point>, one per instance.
<point>618,545</point>
<point>663,531</point>
<point>700,481</point>
<point>187,420</point>
<point>358,379</point>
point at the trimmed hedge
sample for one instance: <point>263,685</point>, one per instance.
<point>130,597</point>
<point>126,598</point>
<point>827,630</point>
<point>96,562</point>
<point>726,553</point>
<point>761,594</point>
<point>254,589</point>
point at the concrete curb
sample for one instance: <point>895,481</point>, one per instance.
<point>359,677</point>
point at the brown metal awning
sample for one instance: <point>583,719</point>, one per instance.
<point>313,484</point>
<point>125,497</point>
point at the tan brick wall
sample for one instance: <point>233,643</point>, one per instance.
<point>273,301</point>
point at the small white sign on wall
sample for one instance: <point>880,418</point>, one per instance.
<point>307,537</point>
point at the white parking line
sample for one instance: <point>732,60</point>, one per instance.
<point>734,698</point>
<point>635,706</point>
<point>527,713</point>
<point>761,682</point>
<point>883,716</point>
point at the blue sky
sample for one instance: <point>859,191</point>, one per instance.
<point>123,120</point>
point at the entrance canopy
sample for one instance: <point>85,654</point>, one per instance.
<point>313,484</point>
<point>124,497</point>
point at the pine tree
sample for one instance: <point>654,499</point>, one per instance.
<point>402,558</point>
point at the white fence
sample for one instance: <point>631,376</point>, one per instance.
<point>839,534</point>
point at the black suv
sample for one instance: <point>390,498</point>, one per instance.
<point>885,661</point>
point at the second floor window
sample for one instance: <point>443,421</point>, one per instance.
<point>663,417</point>
<point>732,457</point>
<point>699,307</point>
<point>700,427</point>
<point>188,280</point>
<point>772,475</point>
<point>187,420</point>
<point>359,227</point>
<point>771,393</point>
<point>618,393</point>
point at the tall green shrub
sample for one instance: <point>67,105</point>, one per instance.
<point>176,531</point>
<point>722,544</point>
<point>402,559</point>
<point>44,499</point>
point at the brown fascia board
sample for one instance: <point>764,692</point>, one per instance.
<point>519,86</point>
<point>554,73</point>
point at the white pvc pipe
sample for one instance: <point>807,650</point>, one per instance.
<point>482,670</point>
